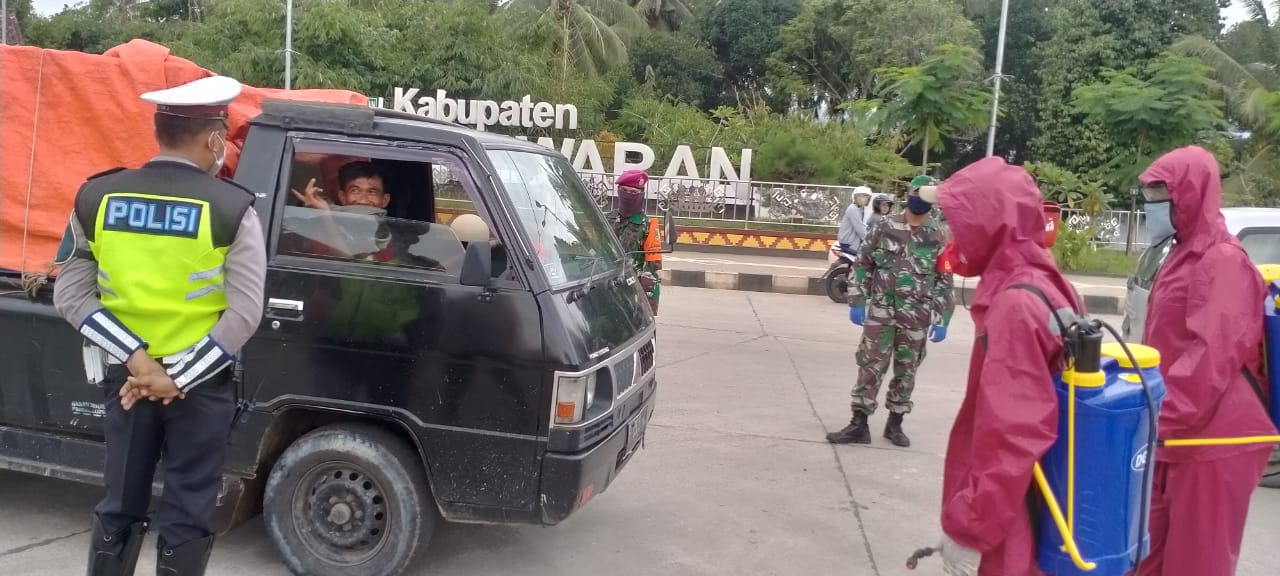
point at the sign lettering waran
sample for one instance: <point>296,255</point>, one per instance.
<point>524,113</point>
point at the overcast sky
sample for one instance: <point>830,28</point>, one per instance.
<point>1233,14</point>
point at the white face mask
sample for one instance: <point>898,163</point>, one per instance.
<point>219,156</point>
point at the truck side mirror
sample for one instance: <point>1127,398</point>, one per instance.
<point>477,265</point>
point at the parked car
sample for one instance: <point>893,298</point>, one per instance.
<point>1257,228</point>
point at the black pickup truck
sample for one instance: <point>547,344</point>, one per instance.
<point>506,381</point>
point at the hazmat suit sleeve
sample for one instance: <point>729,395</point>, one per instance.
<point>1223,297</point>
<point>1015,422</point>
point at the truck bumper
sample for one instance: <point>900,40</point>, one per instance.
<point>570,480</point>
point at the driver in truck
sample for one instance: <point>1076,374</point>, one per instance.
<point>165,273</point>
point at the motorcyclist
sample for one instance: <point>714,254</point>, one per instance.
<point>853,227</point>
<point>881,207</point>
<point>1009,416</point>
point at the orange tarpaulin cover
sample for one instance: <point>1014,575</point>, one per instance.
<point>65,116</point>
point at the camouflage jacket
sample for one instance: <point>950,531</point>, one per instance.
<point>631,233</point>
<point>897,273</point>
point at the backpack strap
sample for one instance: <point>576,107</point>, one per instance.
<point>1257,387</point>
<point>1062,327</point>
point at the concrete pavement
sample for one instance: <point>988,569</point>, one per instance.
<point>735,477</point>
<point>803,275</point>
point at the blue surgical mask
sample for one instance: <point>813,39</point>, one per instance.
<point>918,206</point>
<point>1159,217</point>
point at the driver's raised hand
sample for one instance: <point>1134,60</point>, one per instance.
<point>312,197</point>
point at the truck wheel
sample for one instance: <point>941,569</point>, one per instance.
<point>349,500</point>
<point>1271,477</point>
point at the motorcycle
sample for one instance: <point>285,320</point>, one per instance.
<point>836,278</point>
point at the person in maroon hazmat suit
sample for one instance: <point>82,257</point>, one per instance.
<point>1205,318</point>
<point>1009,416</point>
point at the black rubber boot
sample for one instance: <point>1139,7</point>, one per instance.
<point>189,559</point>
<point>114,554</point>
<point>893,431</point>
<point>857,432</point>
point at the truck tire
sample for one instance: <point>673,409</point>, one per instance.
<point>1271,477</point>
<point>349,500</point>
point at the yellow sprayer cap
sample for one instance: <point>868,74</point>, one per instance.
<point>1146,356</point>
<point>1084,379</point>
<point>1270,272</point>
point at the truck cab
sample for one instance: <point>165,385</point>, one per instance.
<point>403,371</point>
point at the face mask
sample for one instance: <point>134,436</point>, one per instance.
<point>953,261</point>
<point>916,205</point>
<point>630,204</point>
<point>1159,220</point>
<point>220,156</point>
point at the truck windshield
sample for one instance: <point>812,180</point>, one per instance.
<point>570,235</point>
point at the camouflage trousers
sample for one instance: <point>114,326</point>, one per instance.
<point>885,341</point>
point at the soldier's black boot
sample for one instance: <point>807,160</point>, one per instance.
<point>857,432</point>
<point>114,554</point>
<point>189,559</point>
<point>893,431</point>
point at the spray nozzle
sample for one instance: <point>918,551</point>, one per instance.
<point>1084,346</point>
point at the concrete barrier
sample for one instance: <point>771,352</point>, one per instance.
<point>782,284</point>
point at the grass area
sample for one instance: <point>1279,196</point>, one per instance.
<point>1104,262</point>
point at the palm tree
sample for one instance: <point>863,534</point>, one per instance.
<point>664,15</point>
<point>593,34</point>
<point>1251,89</point>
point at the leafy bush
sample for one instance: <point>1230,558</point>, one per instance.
<point>1072,248</point>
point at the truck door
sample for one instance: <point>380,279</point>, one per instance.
<point>365,314</point>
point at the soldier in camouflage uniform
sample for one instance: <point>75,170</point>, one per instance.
<point>899,297</point>
<point>638,234</point>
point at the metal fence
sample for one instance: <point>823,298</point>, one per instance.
<point>812,208</point>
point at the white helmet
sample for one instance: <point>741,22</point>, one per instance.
<point>470,228</point>
<point>861,190</point>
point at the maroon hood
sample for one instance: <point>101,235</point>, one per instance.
<point>995,212</point>
<point>1191,175</point>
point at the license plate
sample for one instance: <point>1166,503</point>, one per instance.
<point>635,434</point>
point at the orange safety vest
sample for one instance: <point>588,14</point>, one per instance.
<point>653,243</point>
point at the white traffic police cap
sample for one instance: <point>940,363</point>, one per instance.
<point>203,98</point>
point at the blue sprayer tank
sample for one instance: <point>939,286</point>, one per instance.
<point>1271,331</point>
<point>1113,471</point>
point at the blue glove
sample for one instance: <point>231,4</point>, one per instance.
<point>857,314</point>
<point>938,334</point>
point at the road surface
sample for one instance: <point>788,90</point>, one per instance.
<point>735,477</point>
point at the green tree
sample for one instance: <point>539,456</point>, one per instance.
<point>831,51</point>
<point>592,34</point>
<point>665,15</point>
<point>943,96</point>
<point>743,33</point>
<point>1090,36</point>
<point>679,66</point>
<point>1245,62</point>
<point>1169,104</point>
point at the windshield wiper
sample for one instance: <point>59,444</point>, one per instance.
<point>581,291</point>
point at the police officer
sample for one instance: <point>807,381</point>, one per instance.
<point>162,272</point>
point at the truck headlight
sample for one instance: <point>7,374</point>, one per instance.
<point>574,394</point>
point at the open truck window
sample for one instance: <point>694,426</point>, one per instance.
<point>358,206</point>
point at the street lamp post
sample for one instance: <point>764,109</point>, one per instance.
<point>288,44</point>
<point>995,98</point>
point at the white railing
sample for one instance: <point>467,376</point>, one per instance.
<point>815,208</point>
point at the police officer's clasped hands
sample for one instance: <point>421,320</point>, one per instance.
<point>149,381</point>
